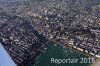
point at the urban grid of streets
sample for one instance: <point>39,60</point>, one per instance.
<point>73,23</point>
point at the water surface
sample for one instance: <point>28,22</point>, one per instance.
<point>59,52</point>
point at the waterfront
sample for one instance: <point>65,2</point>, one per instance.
<point>58,52</point>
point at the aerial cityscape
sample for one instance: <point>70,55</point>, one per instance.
<point>34,32</point>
